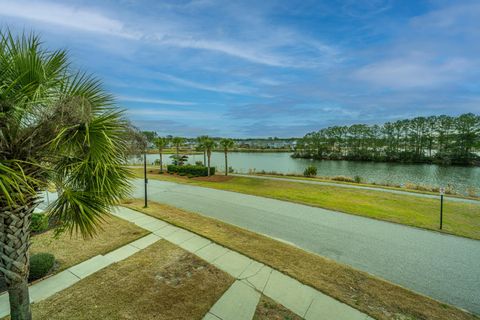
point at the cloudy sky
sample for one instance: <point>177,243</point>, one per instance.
<point>267,68</point>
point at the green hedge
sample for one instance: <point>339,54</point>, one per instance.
<point>190,170</point>
<point>40,265</point>
<point>39,222</point>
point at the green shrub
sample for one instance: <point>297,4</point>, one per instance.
<point>39,222</point>
<point>196,171</point>
<point>310,171</point>
<point>40,265</point>
<point>343,178</point>
<point>357,179</point>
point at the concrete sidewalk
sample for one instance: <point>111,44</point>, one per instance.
<point>239,302</point>
<point>253,279</point>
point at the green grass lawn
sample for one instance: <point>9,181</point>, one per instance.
<point>461,219</point>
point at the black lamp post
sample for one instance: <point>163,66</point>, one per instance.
<point>442,192</point>
<point>145,175</point>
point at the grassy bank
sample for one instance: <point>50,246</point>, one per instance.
<point>379,298</point>
<point>462,219</point>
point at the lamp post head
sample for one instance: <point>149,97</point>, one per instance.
<point>442,191</point>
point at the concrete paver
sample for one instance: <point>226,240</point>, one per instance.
<point>211,252</point>
<point>289,292</point>
<point>45,288</point>
<point>4,305</point>
<point>239,302</point>
<point>154,226</point>
<point>324,307</point>
<point>210,316</point>
<point>144,242</point>
<point>90,266</point>
<point>121,253</point>
<point>233,263</point>
<point>127,214</point>
<point>145,221</point>
<point>256,275</point>
<point>180,236</point>
<point>195,243</point>
<point>166,231</point>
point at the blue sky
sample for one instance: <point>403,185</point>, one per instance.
<point>267,68</point>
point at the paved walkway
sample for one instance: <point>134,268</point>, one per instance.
<point>239,302</point>
<point>441,266</point>
<point>253,278</point>
<point>350,186</point>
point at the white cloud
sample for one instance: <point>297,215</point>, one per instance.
<point>410,73</point>
<point>65,16</point>
<point>235,50</point>
<point>225,88</point>
<point>279,47</point>
<point>155,101</point>
<point>176,114</point>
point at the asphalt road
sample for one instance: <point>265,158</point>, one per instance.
<point>441,266</point>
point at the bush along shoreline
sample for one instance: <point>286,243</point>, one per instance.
<point>190,170</point>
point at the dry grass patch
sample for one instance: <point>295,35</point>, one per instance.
<point>71,250</point>
<point>160,282</point>
<point>376,297</point>
<point>267,309</point>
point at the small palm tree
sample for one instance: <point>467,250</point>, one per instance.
<point>161,143</point>
<point>209,144</point>
<point>226,144</point>
<point>55,126</point>
<point>178,142</point>
<point>201,146</point>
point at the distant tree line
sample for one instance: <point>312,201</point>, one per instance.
<point>436,139</point>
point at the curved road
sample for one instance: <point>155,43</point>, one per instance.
<point>444,267</point>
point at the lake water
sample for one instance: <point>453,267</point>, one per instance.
<point>461,178</point>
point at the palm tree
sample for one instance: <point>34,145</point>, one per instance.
<point>226,144</point>
<point>209,145</point>
<point>161,143</point>
<point>55,126</point>
<point>200,146</point>
<point>178,142</point>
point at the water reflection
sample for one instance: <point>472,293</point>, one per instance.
<point>461,178</point>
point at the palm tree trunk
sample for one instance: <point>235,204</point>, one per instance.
<point>208,168</point>
<point>161,162</point>
<point>204,157</point>
<point>226,164</point>
<point>14,263</point>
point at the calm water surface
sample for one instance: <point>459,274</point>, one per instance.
<point>461,178</point>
